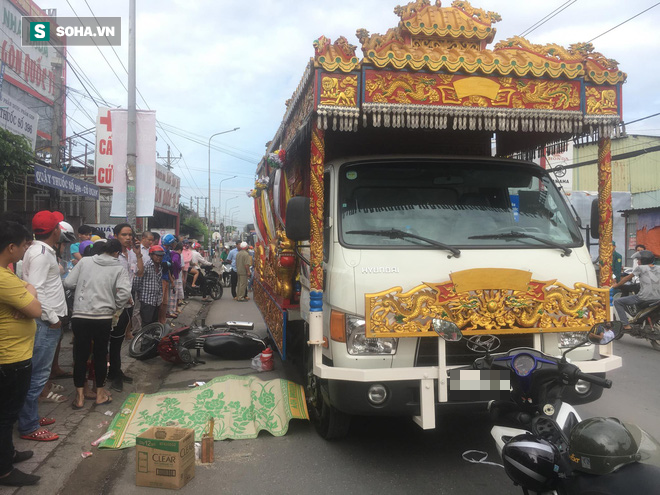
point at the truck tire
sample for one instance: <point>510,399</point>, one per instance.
<point>332,424</point>
<point>329,422</point>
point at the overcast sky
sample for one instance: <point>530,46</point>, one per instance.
<point>209,66</point>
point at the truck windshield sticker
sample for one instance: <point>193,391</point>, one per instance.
<point>351,175</point>
<point>515,206</point>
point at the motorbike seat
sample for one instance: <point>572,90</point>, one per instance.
<point>648,304</point>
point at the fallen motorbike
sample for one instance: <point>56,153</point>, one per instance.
<point>228,340</point>
<point>545,446</point>
<point>208,284</point>
<point>644,321</point>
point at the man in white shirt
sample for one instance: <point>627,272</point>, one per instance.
<point>41,269</point>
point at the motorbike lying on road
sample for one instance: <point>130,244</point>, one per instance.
<point>644,321</point>
<point>209,284</point>
<point>228,340</point>
<point>546,448</point>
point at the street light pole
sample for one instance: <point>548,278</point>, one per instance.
<point>225,218</point>
<point>231,215</point>
<point>220,201</point>
<point>208,221</point>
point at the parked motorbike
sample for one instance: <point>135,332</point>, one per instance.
<point>644,320</point>
<point>228,340</point>
<point>209,284</point>
<point>546,448</point>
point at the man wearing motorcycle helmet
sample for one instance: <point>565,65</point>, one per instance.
<point>167,242</point>
<point>649,281</point>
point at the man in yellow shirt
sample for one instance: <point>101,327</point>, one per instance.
<point>18,307</point>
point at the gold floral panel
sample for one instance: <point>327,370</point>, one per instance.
<point>486,300</point>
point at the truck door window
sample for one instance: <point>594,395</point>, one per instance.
<point>450,202</point>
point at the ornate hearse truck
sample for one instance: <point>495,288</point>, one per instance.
<point>397,197</point>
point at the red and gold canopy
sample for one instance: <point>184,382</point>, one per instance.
<point>435,71</point>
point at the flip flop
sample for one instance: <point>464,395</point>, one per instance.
<point>76,406</point>
<point>107,401</point>
<point>56,398</point>
<point>41,435</point>
<point>46,421</point>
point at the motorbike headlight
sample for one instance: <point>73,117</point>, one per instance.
<point>570,339</point>
<point>358,344</point>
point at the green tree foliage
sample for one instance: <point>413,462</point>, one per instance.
<point>16,156</point>
<point>190,223</point>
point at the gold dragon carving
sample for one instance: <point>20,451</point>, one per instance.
<point>544,306</point>
<point>479,14</point>
<point>404,88</point>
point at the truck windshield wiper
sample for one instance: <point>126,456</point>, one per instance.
<point>400,234</point>
<point>523,235</point>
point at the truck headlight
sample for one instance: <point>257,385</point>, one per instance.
<point>358,344</point>
<point>570,339</point>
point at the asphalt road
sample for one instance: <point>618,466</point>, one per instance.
<point>380,456</point>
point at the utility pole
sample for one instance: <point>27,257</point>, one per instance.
<point>169,159</point>
<point>131,141</point>
<point>56,131</point>
<point>197,198</point>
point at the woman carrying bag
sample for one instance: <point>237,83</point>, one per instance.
<point>102,289</point>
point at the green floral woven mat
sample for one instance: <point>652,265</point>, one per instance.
<point>242,406</point>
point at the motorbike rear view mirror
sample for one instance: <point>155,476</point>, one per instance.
<point>604,333</point>
<point>446,330</point>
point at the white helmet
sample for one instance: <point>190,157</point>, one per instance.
<point>67,233</point>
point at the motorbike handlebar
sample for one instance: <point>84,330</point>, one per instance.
<point>596,380</point>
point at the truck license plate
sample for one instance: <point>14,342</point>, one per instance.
<point>478,385</point>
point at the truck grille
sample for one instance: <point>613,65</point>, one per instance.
<point>457,352</point>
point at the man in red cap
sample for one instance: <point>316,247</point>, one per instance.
<point>41,270</point>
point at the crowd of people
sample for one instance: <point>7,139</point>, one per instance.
<point>102,288</point>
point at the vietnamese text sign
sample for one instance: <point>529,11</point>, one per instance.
<point>167,189</point>
<point>18,119</point>
<point>57,180</point>
<point>27,67</point>
<point>103,169</point>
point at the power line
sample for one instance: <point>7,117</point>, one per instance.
<point>545,19</point>
<point>622,23</point>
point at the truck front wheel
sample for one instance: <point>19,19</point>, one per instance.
<point>330,422</point>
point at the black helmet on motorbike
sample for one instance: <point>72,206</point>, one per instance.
<point>601,446</point>
<point>531,462</point>
<point>645,257</point>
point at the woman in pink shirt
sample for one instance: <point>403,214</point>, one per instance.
<point>186,256</point>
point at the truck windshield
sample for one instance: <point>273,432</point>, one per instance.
<point>460,203</point>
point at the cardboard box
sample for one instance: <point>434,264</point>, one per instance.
<point>165,457</point>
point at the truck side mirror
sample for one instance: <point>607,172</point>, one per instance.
<point>297,218</point>
<point>595,219</point>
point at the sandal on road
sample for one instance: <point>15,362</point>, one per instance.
<point>55,387</point>
<point>56,398</point>
<point>46,421</point>
<point>41,435</point>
